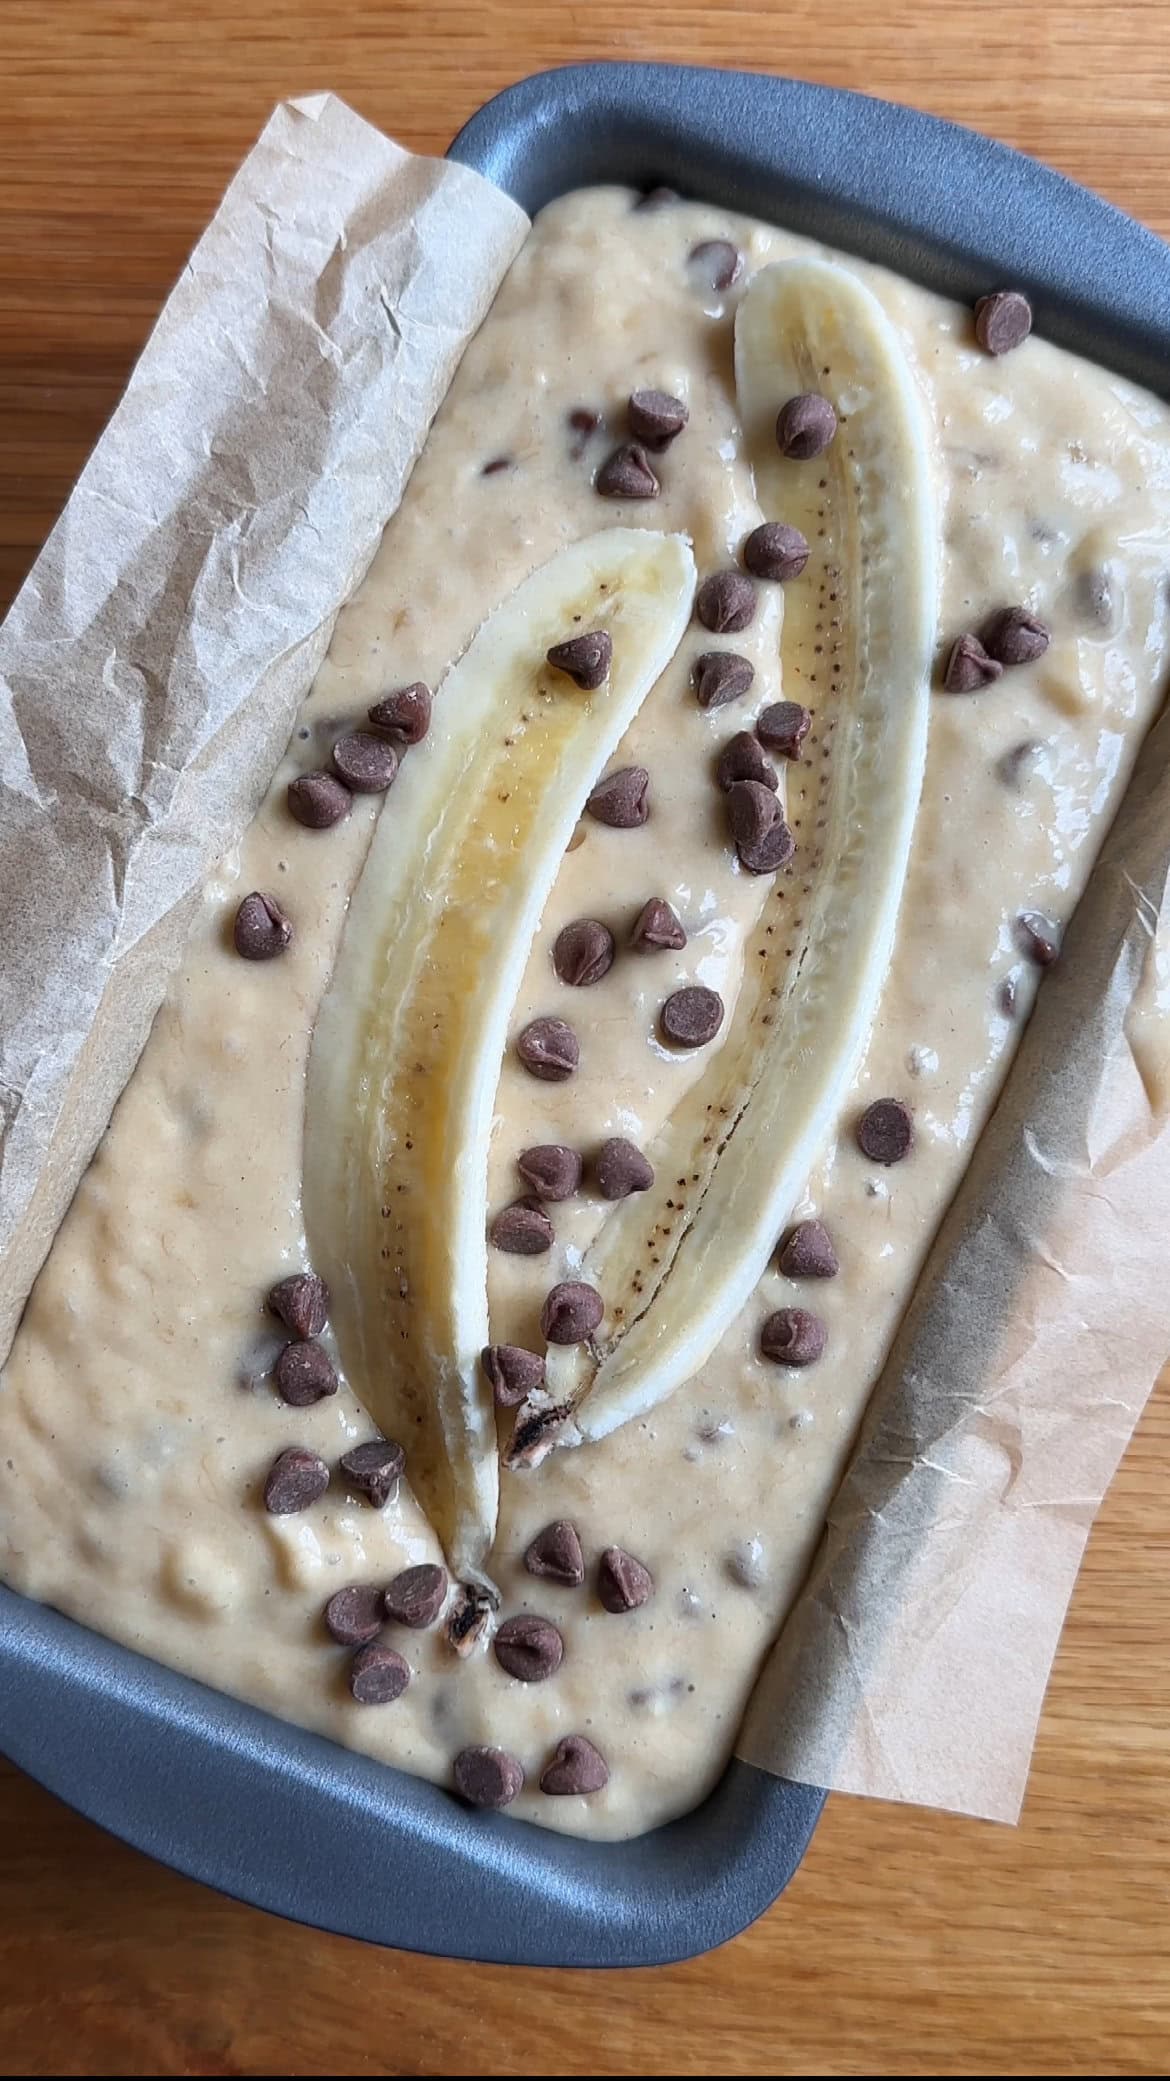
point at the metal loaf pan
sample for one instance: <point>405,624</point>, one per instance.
<point>283,1818</point>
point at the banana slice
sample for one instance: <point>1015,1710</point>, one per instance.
<point>676,1264</point>
<point>407,1048</point>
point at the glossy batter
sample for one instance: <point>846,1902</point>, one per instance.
<point>137,1417</point>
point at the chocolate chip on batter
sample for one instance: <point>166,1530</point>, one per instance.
<point>529,1648</point>
<point>969,667</point>
<point>523,1229</point>
<point>511,1372</point>
<point>354,1615</point>
<point>621,799</point>
<point>626,474</point>
<point>885,1131</point>
<point>584,422</point>
<point>621,1169</point>
<point>302,1303</point>
<point>623,1582</point>
<point>549,1050</point>
<point>762,838</point>
<point>743,758</point>
<point>793,1337</point>
<point>497,463</point>
<point>655,199</point>
<point>783,727</point>
<point>417,1596</point>
<point>304,1373</point>
<point>489,1778</point>
<point>691,1017</point>
<point>805,426</point>
<point>555,1554</point>
<point>375,1469</point>
<point>656,418</point>
<point>552,1170</point>
<point>1003,320</point>
<point>318,800</point>
<point>1016,637</point>
<point>576,1768</point>
<point>295,1479</point>
<point>367,764</point>
<point>1038,938</point>
<point>725,602</point>
<point>571,1312</point>
<point>776,551</point>
<point>657,929</point>
<point>585,659</point>
<point>721,676</point>
<point>405,713</point>
<point>808,1253</point>
<point>583,952</point>
<point>378,1674</point>
<point>717,261</point>
<point>262,929</point>
<point>1016,762</point>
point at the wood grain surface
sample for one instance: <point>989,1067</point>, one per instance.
<point>909,1943</point>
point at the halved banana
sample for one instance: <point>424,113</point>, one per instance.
<point>676,1264</point>
<point>407,1048</point>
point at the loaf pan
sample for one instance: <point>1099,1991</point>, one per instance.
<point>283,1818</point>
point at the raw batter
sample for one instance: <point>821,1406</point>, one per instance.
<point>138,1420</point>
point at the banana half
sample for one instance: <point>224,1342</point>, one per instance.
<point>677,1263</point>
<point>407,1048</point>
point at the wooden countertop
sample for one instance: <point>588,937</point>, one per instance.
<point>909,1943</point>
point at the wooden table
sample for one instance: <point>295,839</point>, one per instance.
<point>909,1943</point>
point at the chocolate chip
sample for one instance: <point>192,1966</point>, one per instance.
<point>721,676</point>
<point>295,1479</point>
<point>783,727</point>
<point>487,1777</point>
<point>571,1313</point>
<point>775,551</point>
<point>623,1583</point>
<point>1016,763</point>
<point>717,261</point>
<point>318,800</point>
<point>584,422</point>
<point>808,1253</point>
<point>743,758</point>
<point>576,1768</point>
<point>762,838</point>
<point>1003,320</point>
<point>261,929</point>
<point>626,474</point>
<point>656,418</point>
<point>969,668</point>
<point>691,1017</point>
<point>793,1337</point>
<point>523,1229</point>
<point>374,1468</point>
<point>417,1596</point>
<point>805,426</point>
<point>621,799</point>
<point>302,1303</point>
<point>497,463</point>
<point>529,1648</point>
<point>1015,637</point>
<point>556,1555</point>
<point>725,602</point>
<point>552,1170</point>
<point>367,764</point>
<point>656,928</point>
<point>585,658</point>
<point>621,1169</point>
<point>549,1049</point>
<point>655,199</point>
<point>354,1615</point>
<point>304,1373</point>
<point>378,1674</point>
<point>885,1131</point>
<point>512,1373</point>
<point>583,952</point>
<point>405,713</point>
<point>1038,938</point>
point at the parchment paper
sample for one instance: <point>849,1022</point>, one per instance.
<point>152,664</point>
